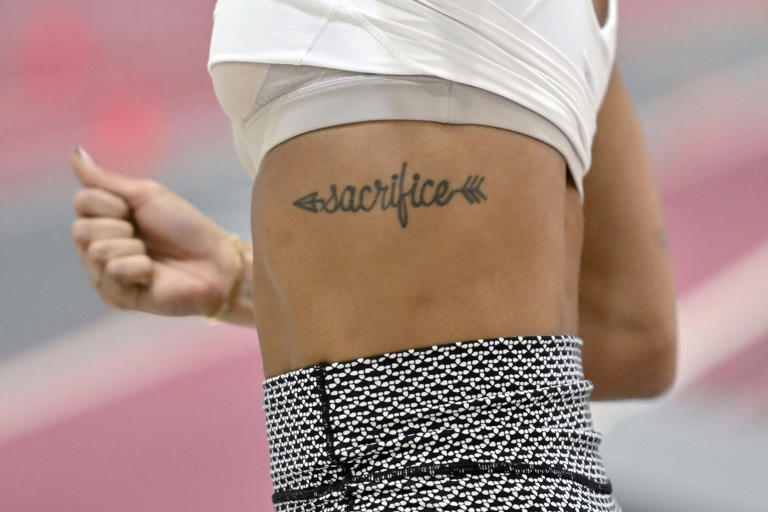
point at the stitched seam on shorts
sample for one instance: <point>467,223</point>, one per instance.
<point>464,467</point>
<point>346,470</point>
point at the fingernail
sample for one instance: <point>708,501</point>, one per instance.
<point>76,150</point>
<point>84,154</point>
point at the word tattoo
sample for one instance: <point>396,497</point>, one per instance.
<point>392,195</point>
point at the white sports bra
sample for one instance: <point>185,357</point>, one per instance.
<point>550,56</point>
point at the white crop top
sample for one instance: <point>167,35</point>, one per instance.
<point>550,56</point>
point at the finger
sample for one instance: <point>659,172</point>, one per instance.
<point>119,295</point>
<point>86,229</point>
<point>94,268</point>
<point>105,249</point>
<point>134,269</point>
<point>97,202</point>
<point>92,175</point>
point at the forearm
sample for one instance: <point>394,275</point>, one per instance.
<point>628,321</point>
<point>625,360</point>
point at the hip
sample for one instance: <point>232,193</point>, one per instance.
<point>489,424</point>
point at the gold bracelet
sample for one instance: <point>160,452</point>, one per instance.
<point>226,304</point>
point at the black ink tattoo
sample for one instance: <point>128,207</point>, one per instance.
<point>392,195</point>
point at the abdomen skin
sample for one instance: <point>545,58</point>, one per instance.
<point>344,267</point>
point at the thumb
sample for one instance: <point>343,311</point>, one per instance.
<point>92,175</point>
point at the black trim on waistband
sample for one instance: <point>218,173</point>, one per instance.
<point>456,468</point>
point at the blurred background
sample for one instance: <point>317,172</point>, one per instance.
<point>103,409</point>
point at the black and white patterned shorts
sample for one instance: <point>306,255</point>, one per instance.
<point>494,424</point>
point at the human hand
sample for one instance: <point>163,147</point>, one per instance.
<point>145,248</point>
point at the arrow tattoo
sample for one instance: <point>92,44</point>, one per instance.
<point>350,199</point>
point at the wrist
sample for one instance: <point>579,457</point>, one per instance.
<point>234,303</point>
<point>233,277</point>
<point>241,311</point>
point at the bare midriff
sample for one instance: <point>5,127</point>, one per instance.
<point>382,236</point>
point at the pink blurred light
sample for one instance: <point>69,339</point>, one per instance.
<point>130,124</point>
<point>54,56</point>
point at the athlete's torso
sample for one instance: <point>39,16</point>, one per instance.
<point>337,286</point>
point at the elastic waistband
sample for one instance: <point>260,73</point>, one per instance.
<point>561,346</point>
<point>514,404</point>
